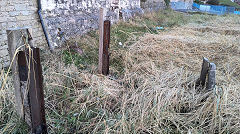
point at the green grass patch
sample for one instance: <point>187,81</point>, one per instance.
<point>224,3</point>
<point>89,57</point>
<point>229,3</point>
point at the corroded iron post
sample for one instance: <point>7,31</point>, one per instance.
<point>106,43</point>
<point>36,95</point>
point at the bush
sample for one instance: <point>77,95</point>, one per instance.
<point>167,2</point>
<point>213,2</point>
<point>198,2</point>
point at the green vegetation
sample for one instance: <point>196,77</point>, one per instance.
<point>167,3</point>
<point>199,2</point>
<point>224,3</point>
<point>228,3</point>
<point>89,57</point>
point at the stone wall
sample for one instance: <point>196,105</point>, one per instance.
<point>76,17</point>
<point>181,4</point>
<point>152,5</point>
<point>14,14</point>
<point>63,18</point>
<point>187,1</point>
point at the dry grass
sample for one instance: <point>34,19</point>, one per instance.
<point>155,93</point>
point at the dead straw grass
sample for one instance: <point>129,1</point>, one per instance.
<point>156,92</point>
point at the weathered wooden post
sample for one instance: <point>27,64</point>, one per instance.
<point>208,72</point>
<point>100,56</point>
<point>204,72</point>
<point>211,76</point>
<point>104,41</point>
<point>28,80</point>
<point>15,41</point>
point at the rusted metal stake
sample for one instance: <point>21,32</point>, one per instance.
<point>204,71</point>
<point>211,76</point>
<point>22,66</point>
<point>36,95</point>
<point>23,75</point>
<point>106,43</point>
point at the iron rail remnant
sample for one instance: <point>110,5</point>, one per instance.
<point>106,43</point>
<point>30,70</point>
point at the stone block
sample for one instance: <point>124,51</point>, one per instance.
<point>3,19</point>
<point>12,24</point>
<point>9,8</point>
<point>32,8</point>
<point>11,19</point>
<point>14,13</point>
<point>6,63</point>
<point>3,52</point>
<point>21,18</point>
<point>4,47</point>
<point>20,7</point>
<point>3,14</point>
<point>3,3</point>
<point>25,13</point>
<point>3,37</point>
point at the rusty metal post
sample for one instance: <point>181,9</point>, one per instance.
<point>23,76</point>
<point>211,76</point>
<point>204,71</point>
<point>22,66</point>
<point>36,95</point>
<point>106,45</point>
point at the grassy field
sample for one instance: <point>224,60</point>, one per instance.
<point>150,88</point>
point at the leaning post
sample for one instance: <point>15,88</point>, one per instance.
<point>27,79</point>
<point>15,41</point>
